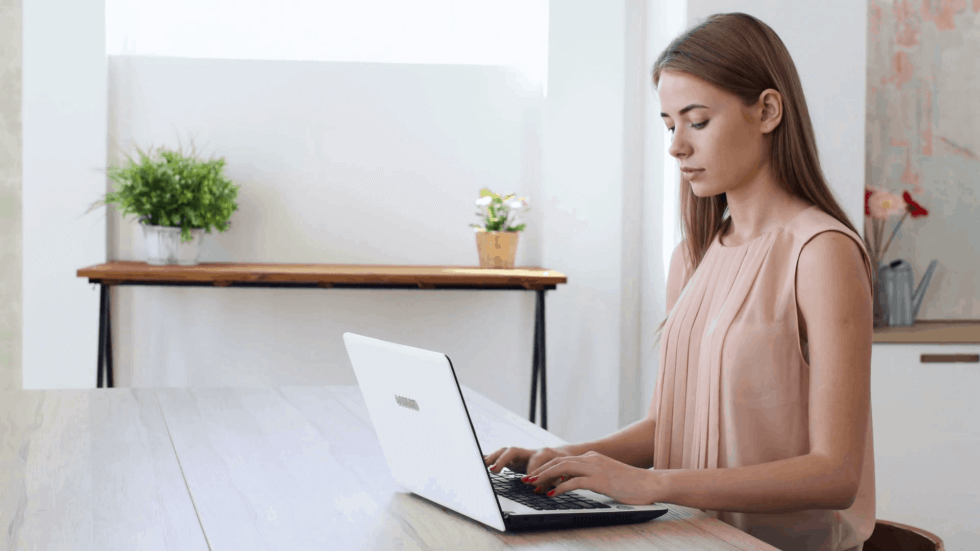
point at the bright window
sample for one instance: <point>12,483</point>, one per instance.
<point>511,33</point>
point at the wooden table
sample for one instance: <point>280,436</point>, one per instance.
<point>326,276</point>
<point>257,468</point>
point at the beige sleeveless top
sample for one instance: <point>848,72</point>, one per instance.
<point>733,386</point>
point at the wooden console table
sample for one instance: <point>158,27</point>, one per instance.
<point>326,276</point>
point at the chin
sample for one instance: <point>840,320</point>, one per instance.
<point>701,189</point>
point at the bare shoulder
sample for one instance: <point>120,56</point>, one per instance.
<point>831,280</point>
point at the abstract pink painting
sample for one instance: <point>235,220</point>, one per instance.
<point>923,132</point>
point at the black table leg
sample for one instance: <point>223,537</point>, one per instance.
<point>544,388</point>
<point>538,362</point>
<point>108,336</point>
<point>534,360</point>
<point>105,338</point>
<point>102,312</point>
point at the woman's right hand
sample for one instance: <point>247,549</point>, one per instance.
<point>522,460</point>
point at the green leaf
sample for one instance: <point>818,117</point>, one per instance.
<point>168,188</point>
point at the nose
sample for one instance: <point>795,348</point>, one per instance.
<point>678,146</point>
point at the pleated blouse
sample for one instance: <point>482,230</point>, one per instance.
<point>733,386</point>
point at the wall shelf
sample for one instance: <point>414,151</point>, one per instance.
<point>931,332</point>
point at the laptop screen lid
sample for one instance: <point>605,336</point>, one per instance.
<point>418,413</point>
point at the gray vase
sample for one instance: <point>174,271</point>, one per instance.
<point>899,298</point>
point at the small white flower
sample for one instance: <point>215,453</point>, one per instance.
<point>484,201</point>
<point>515,205</point>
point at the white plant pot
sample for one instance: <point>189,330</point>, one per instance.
<point>163,246</point>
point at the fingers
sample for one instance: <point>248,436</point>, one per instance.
<point>502,458</point>
<point>536,469</point>
<point>548,465</point>
<point>491,458</point>
<point>575,483</point>
<point>553,471</point>
<point>542,485</point>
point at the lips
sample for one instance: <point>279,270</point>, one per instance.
<point>692,174</point>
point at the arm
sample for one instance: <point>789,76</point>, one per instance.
<point>789,485</point>
<point>633,444</point>
<point>834,295</point>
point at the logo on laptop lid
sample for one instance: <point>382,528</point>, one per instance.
<point>406,402</point>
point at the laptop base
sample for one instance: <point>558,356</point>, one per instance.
<point>526,522</point>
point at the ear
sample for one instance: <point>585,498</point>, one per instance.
<point>772,110</point>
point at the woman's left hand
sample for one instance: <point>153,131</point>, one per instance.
<point>598,473</point>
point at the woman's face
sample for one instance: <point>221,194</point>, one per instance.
<point>718,135</point>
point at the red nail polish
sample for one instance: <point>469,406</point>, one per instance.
<point>551,493</point>
<point>532,479</point>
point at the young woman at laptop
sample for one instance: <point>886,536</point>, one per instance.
<point>762,410</point>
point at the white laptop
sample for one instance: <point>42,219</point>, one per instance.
<point>421,420</point>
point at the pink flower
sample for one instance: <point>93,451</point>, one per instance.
<point>883,204</point>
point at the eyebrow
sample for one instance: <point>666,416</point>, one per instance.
<point>686,109</point>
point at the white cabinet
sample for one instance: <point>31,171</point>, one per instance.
<point>926,422</point>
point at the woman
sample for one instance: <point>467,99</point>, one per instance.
<point>762,410</point>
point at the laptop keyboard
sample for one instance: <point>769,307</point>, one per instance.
<point>510,486</point>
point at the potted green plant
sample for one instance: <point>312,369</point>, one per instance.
<point>177,198</point>
<point>496,237</point>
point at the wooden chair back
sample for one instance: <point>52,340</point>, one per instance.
<point>893,536</point>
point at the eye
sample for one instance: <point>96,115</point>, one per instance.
<point>697,126</point>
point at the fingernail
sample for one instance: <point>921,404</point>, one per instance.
<point>551,493</point>
<point>532,479</point>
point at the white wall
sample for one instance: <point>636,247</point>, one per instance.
<point>828,43</point>
<point>64,151</point>
<point>347,163</point>
<point>584,214</point>
<point>402,150</point>
<point>360,163</point>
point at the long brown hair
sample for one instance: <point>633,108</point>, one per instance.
<point>741,55</point>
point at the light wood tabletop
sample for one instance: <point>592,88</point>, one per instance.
<point>257,468</point>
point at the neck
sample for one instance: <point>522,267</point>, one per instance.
<point>760,206</point>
